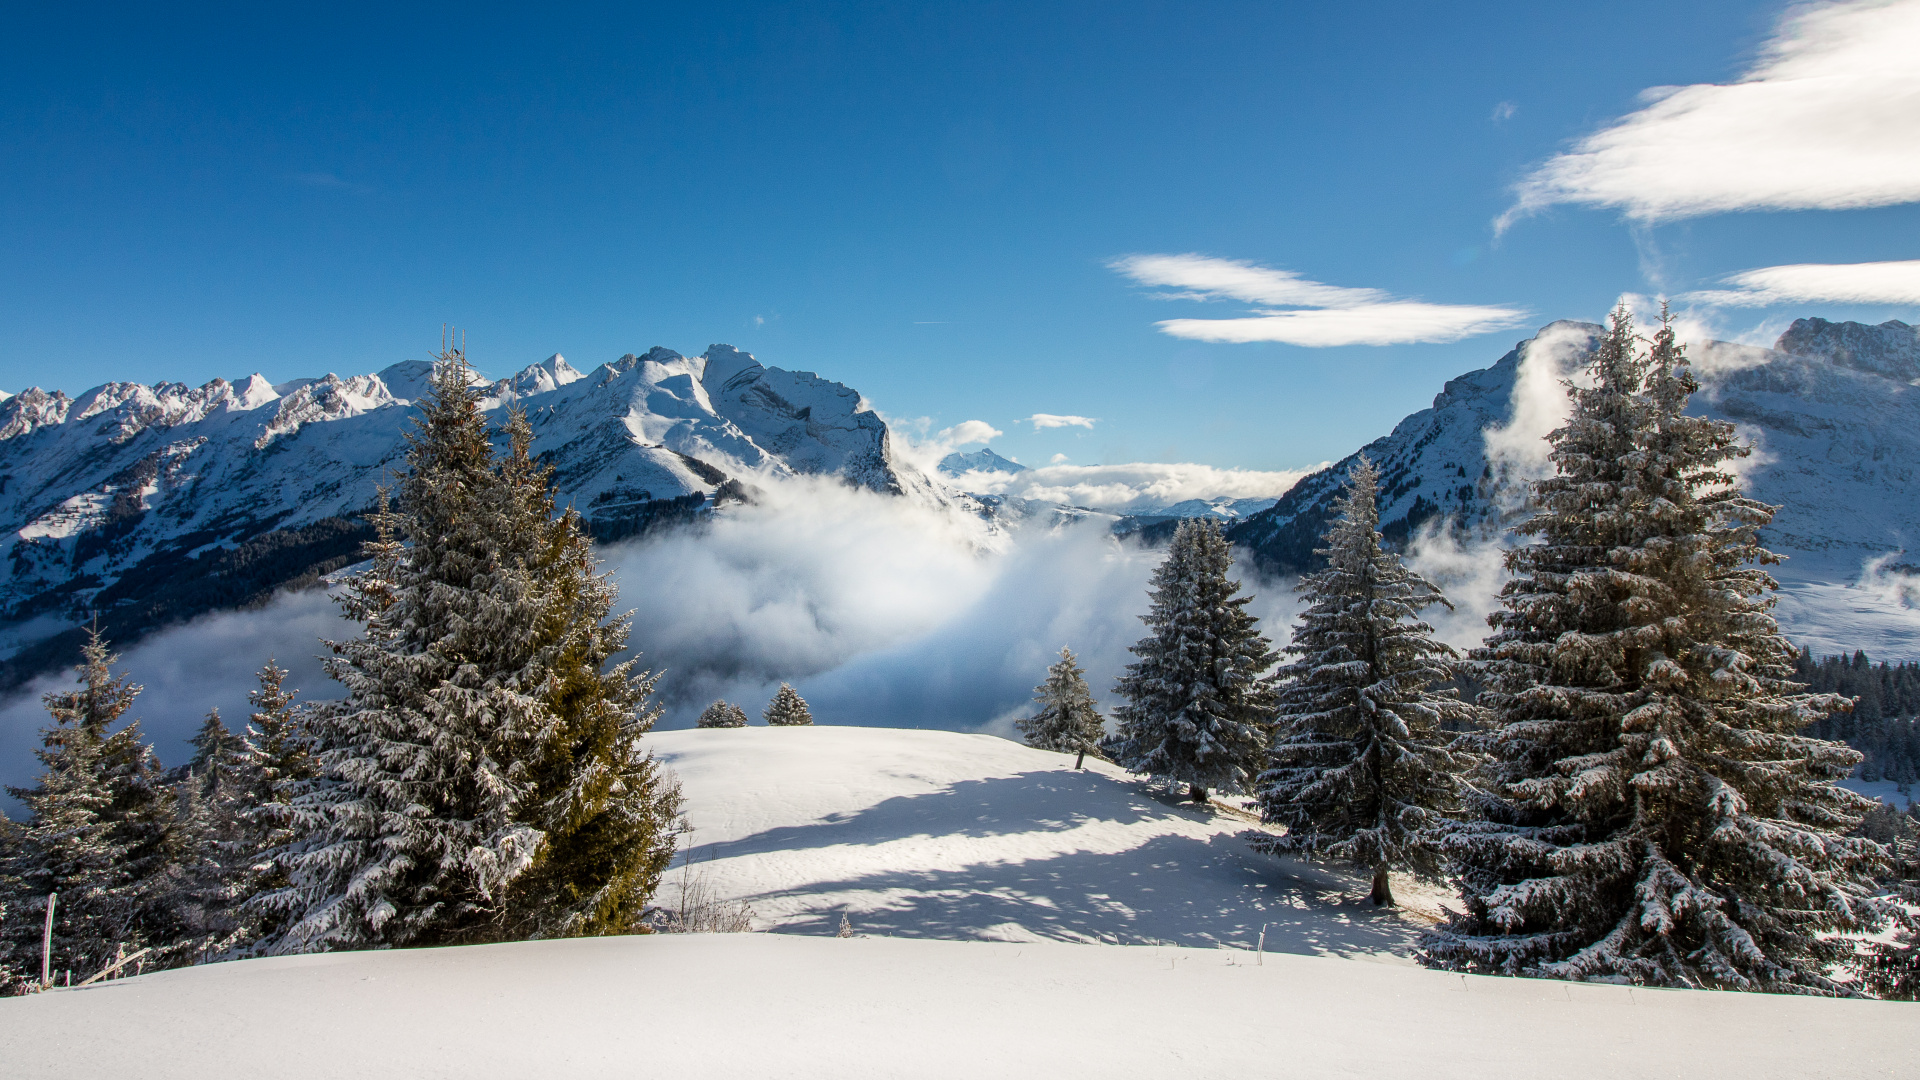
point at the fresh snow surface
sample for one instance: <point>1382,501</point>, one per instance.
<point>935,834</point>
<point>770,1005</point>
<point>918,835</point>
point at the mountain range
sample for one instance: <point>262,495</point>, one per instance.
<point>146,505</point>
<point>143,506</point>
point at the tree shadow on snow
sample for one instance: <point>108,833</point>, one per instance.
<point>1170,889</point>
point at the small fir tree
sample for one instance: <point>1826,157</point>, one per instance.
<point>787,709</point>
<point>1066,721</point>
<point>723,714</point>
<point>1196,711</point>
<point>101,833</point>
<point>215,859</point>
<point>1654,814</point>
<point>1361,767</point>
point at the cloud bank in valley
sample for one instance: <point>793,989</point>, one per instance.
<point>1826,118</point>
<point>1136,486</point>
<point>1294,310</point>
<point>881,610</point>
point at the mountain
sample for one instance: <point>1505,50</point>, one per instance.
<point>981,460</point>
<point>1833,411</point>
<point>147,505</point>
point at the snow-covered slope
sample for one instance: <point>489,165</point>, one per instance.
<point>981,460</point>
<point>150,503</point>
<point>939,834</point>
<point>1833,412</point>
<point>921,836</point>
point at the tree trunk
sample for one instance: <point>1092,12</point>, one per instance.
<point>1382,889</point>
<point>1197,793</point>
<point>1081,761</point>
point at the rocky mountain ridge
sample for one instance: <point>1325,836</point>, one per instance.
<point>1833,411</point>
<point>144,505</point>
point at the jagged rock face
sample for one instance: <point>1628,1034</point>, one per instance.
<point>1831,411</point>
<point>123,494</point>
<point>1891,349</point>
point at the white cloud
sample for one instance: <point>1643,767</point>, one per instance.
<point>1504,111</point>
<point>1827,118</point>
<point>1057,459</point>
<point>1137,486</point>
<point>1320,315</point>
<point>1041,420</point>
<point>1816,283</point>
<point>970,431</point>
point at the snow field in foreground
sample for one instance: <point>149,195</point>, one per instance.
<point>935,834</point>
<point>767,1005</point>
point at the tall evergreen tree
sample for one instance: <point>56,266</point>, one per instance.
<point>1196,711</point>
<point>483,777</point>
<point>609,813</point>
<point>100,834</point>
<point>723,714</point>
<point>1066,721</point>
<point>1361,767</point>
<point>787,709</point>
<point>1654,814</point>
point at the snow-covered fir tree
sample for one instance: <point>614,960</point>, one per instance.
<point>215,856</point>
<point>787,709</point>
<point>1066,721</point>
<point>1196,711</point>
<point>1362,767</point>
<point>100,834</point>
<point>280,756</point>
<point>1654,813</point>
<point>483,777</point>
<point>609,813</point>
<point>723,714</point>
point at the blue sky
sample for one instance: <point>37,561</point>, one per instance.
<point>927,202</point>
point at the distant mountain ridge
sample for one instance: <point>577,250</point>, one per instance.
<point>146,505</point>
<point>1833,410</point>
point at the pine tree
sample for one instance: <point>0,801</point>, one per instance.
<point>1361,768</point>
<point>1654,813</point>
<point>1196,711</point>
<point>787,709</point>
<point>1067,721</point>
<point>609,813</point>
<point>723,714</point>
<point>100,833</point>
<point>483,778</point>
<point>214,857</point>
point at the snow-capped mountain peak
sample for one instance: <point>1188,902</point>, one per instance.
<point>131,500</point>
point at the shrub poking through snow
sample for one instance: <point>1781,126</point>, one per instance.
<point>787,709</point>
<point>723,714</point>
<point>1654,814</point>
<point>1361,769</point>
<point>1196,710</point>
<point>1066,722</point>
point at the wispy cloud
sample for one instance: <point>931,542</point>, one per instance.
<point>1136,486</point>
<point>1816,283</point>
<point>1827,118</point>
<point>1317,315</point>
<point>1504,111</point>
<point>1042,420</point>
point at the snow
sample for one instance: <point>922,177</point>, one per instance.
<point>946,835</point>
<point>919,835</point>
